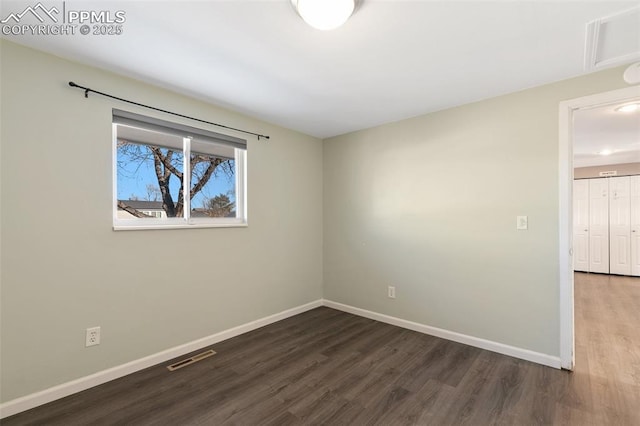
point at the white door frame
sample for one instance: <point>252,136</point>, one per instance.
<point>567,108</point>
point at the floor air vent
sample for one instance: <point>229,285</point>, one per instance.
<point>189,361</point>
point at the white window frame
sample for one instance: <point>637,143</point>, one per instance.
<point>185,222</point>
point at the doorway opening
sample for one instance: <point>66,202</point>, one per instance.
<point>568,111</point>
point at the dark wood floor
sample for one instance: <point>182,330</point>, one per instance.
<point>329,367</point>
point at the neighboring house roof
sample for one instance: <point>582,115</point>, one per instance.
<point>199,212</point>
<point>143,205</point>
<point>157,205</point>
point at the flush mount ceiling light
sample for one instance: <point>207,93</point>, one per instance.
<point>632,73</point>
<point>325,14</point>
<point>606,152</point>
<point>629,108</point>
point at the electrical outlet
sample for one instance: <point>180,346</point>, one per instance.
<point>391,292</point>
<point>92,337</point>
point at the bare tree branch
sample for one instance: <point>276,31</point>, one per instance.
<point>131,210</point>
<point>166,160</point>
<point>213,163</point>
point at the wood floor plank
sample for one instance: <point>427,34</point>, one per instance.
<point>420,408</point>
<point>327,367</point>
<point>382,403</point>
<point>469,400</point>
<point>537,402</point>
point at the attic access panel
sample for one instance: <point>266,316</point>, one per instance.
<point>613,40</point>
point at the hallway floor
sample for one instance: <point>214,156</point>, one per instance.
<point>607,371</point>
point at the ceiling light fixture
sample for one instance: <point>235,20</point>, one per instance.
<point>325,14</point>
<point>606,152</point>
<point>629,108</point>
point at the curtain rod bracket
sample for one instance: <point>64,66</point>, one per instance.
<point>86,95</point>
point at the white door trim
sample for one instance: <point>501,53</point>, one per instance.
<point>565,175</point>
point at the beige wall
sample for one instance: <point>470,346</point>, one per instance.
<point>421,204</point>
<point>63,269</point>
<point>429,205</point>
<point>625,169</point>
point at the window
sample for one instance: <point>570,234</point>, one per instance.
<point>150,159</point>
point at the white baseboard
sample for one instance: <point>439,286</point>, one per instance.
<point>27,402</point>
<point>537,357</point>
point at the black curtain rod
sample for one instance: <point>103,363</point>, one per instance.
<point>86,95</point>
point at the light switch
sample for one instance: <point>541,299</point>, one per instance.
<point>522,222</point>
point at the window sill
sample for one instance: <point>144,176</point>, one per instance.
<point>179,226</point>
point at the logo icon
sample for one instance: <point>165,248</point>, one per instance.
<point>38,10</point>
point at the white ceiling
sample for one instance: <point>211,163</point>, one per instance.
<point>392,60</point>
<point>604,128</point>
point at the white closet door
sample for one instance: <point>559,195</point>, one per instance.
<point>599,225</point>
<point>581,225</point>
<point>635,225</point>
<point>619,226</point>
